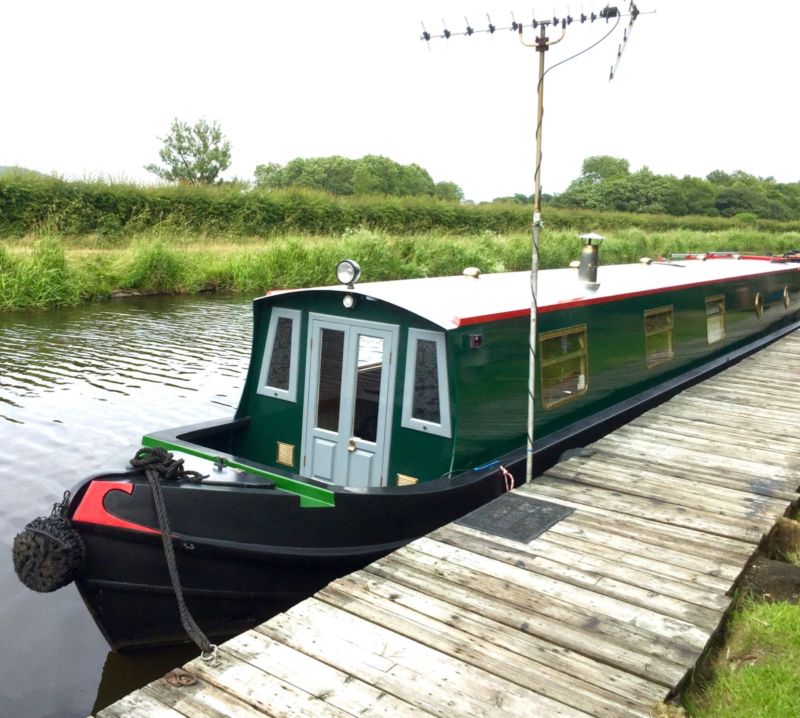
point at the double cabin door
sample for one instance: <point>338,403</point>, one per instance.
<point>350,370</point>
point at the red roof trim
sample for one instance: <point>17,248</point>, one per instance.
<point>572,303</point>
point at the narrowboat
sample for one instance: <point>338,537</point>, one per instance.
<point>373,413</point>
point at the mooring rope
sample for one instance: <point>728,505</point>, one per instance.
<point>159,465</point>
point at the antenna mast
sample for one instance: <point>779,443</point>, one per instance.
<point>541,45</point>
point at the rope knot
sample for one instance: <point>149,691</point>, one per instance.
<point>164,465</point>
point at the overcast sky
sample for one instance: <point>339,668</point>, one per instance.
<point>89,86</point>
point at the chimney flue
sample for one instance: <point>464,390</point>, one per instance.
<point>587,269</point>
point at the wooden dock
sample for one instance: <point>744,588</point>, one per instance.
<point>602,615</point>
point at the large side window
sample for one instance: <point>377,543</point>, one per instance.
<point>278,377</point>
<point>715,318</point>
<point>658,336</point>
<point>563,358</point>
<point>426,400</point>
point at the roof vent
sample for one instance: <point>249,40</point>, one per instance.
<point>472,272</point>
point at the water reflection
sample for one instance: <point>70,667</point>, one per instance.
<point>76,387</point>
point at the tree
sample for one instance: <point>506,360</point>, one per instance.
<point>448,191</point>
<point>193,154</point>
<point>603,167</point>
<point>371,174</point>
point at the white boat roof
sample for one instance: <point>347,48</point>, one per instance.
<point>456,301</point>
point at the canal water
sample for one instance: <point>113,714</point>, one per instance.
<point>77,386</point>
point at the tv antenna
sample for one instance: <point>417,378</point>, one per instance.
<point>542,43</point>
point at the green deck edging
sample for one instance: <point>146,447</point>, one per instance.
<point>310,496</point>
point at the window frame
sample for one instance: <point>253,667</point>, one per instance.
<point>721,299</point>
<point>408,421</point>
<point>290,394</point>
<point>576,329</point>
<point>670,330</point>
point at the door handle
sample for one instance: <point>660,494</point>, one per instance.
<point>351,444</point>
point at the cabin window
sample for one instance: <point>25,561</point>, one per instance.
<point>278,377</point>
<point>563,359</point>
<point>426,401</point>
<point>331,359</point>
<point>715,319</point>
<point>658,336</point>
<point>786,299</point>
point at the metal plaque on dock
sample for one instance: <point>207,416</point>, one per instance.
<point>516,517</point>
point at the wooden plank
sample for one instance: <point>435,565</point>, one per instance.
<point>726,564</point>
<point>140,705</point>
<point>342,690</point>
<point>417,674</point>
<point>705,457</point>
<point>664,481</point>
<point>651,509</point>
<point>701,440</point>
<point>715,502</point>
<point>426,608</point>
<point>585,575</point>
<point>649,454</point>
<point>200,700</point>
<point>672,535</point>
<point>655,575</point>
<point>675,630</point>
<point>761,419</point>
<point>746,483</point>
<point>719,435</point>
<point>745,398</point>
<point>597,637</point>
<point>261,690</point>
<point>539,677</point>
<point>686,568</point>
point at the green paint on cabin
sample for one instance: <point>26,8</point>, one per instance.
<point>486,371</point>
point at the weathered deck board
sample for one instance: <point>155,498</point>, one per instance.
<point>602,615</point>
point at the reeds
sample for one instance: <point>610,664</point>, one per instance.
<point>48,270</point>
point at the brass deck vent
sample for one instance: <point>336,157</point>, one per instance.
<point>285,454</point>
<point>403,480</point>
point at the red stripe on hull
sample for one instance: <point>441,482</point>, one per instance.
<point>92,510</point>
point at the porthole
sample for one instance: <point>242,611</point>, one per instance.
<point>759,305</point>
<point>786,300</point>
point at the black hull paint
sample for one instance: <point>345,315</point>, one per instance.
<point>274,555</point>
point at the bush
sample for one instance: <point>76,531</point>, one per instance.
<point>30,202</point>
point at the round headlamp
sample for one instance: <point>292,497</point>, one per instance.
<point>348,272</point>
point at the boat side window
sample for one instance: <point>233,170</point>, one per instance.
<point>658,336</point>
<point>278,377</point>
<point>564,365</point>
<point>426,400</point>
<point>715,318</point>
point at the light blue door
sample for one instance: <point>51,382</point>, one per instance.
<point>349,383</point>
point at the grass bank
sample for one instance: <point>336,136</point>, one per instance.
<point>48,270</point>
<point>755,672</point>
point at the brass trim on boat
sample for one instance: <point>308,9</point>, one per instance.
<point>758,303</point>
<point>563,365</point>
<point>404,480</point>
<point>284,454</point>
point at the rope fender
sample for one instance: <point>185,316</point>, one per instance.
<point>48,553</point>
